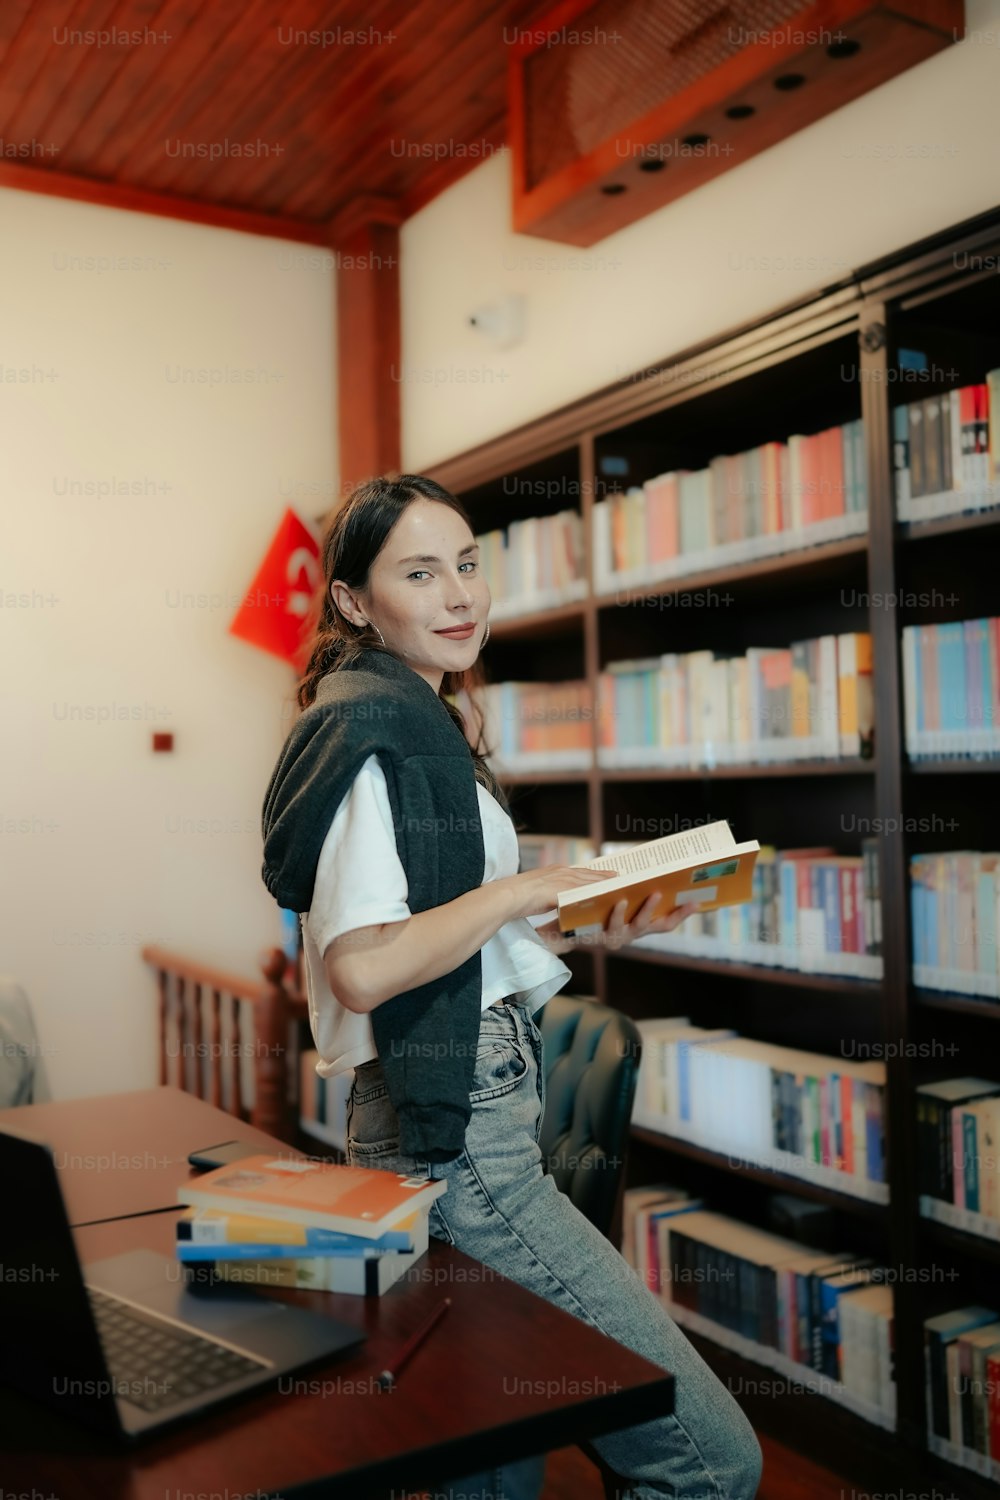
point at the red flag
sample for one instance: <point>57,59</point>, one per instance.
<point>275,606</point>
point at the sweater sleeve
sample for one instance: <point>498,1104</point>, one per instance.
<point>360,880</point>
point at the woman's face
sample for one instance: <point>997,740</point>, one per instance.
<point>426,580</point>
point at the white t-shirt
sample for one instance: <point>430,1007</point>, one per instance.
<point>360,881</point>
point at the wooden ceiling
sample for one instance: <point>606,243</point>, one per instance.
<point>298,118</point>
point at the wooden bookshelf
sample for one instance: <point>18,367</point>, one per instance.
<point>764,381</point>
<point>785,1182</point>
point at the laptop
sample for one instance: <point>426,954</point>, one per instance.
<point>133,1343</point>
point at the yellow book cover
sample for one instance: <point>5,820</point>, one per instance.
<point>213,1226</point>
<point>704,866</point>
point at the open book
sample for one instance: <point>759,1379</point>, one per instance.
<point>703,865</point>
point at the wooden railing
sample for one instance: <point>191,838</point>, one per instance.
<point>204,1035</point>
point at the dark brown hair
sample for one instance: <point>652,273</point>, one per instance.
<point>354,538</point>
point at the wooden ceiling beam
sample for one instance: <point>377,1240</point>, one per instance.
<point>138,200</point>
<point>368,350</point>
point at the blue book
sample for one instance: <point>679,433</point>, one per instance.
<point>186,1251</point>
<point>900,441</point>
<point>916,919</point>
<point>860,473</point>
<point>873,1131</point>
<point>831,1289</point>
<point>931,924</point>
<point>951,676</point>
<point>971,1162</point>
<point>316,1240</point>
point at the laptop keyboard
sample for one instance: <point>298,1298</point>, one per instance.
<point>155,1364</point>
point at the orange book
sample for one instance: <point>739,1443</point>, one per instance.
<point>855,697</point>
<point>811,471</point>
<point>702,866</point>
<point>619,533</point>
<point>325,1195</point>
<point>606,710</point>
<point>832,499</point>
<point>770,474</point>
<point>662,519</point>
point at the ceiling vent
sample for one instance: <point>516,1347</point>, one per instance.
<point>619,107</point>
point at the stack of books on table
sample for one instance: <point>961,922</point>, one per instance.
<point>298,1222</point>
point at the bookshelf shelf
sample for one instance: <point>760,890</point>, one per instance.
<point>969,1005</point>
<point>833,984</point>
<point>955,767</point>
<point>759,384</point>
<point>813,1381</point>
<point>561,619</point>
<point>741,772</point>
<point>800,561</point>
<point>919,531</point>
<point>779,1181</point>
<point>834,1434</point>
<point>945,1224</point>
<point>541,778</point>
<point>961,1240</point>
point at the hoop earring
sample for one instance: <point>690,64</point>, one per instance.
<point>486,636</point>
<point>377,631</point>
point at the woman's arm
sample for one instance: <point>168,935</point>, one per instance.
<point>370,965</point>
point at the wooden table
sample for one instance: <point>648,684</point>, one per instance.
<point>503,1375</point>
<point>124,1154</point>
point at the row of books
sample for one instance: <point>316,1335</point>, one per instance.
<point>811,1116</point>
<point>534,726</point>
<point>946,451</point>
<point>823,1320</point>
<point>533,564</point>
<point>298,1221</point>
<point>811,910</point>
<point>771,499</point>
<point>951,688</point>
<point>962,1386</point>
<point>812,700</point>
<point>958,1140</point>
<point>540,849</point>
<point>954,898</point>
<point>323,1101</point>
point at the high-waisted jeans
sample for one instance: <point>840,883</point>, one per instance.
<point>501,1208</point>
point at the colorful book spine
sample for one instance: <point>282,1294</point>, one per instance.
<point>757,503</point>
<point>534,564</point>
<point>951,689</point>
<point>806,1114</point>
<point>810,910</point>
<point>943,452</point>
<point>813,700</point>
<point>824,1321</point>
<point>954,901</point>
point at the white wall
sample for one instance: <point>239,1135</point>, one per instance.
<point>93,617</point>
<point>912,157</point>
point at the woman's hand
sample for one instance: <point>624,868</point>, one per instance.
<point>618,932</point>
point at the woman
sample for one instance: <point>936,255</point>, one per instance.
<point>401,575</point>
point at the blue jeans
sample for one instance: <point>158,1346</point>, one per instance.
<point>501,1208</point>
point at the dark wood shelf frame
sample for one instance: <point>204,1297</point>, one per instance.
<point>869,307</point>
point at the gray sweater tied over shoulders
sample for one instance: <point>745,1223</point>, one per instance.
<point>378,705</point>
